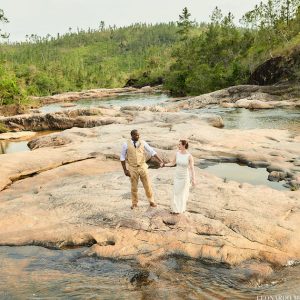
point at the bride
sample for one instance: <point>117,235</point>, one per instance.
<point>183,161</point>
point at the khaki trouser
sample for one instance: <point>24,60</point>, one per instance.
<point>135,174</point>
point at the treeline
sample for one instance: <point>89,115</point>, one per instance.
<point>106,57</point>
<point>226,54</point>
<point>188,58</point>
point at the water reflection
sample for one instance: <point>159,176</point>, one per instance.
<point>12,147</point>
<point>34,273</point>
<point>240,173</point>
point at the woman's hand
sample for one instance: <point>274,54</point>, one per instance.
<point>162,164</point>
<point>193,182</point>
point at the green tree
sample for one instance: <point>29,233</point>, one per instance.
<point>185,24</point>
<point>210,61</point>
<point>11,91</point>
<point>216,16</point>
<point>3,19</point>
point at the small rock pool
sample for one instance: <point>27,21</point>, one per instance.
<point>243,174</point>
<point>13,146</point>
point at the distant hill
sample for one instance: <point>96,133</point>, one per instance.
<point>108,57</point>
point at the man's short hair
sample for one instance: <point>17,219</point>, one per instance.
<point>133,131</point>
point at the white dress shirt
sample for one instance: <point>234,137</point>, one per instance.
<point>125,147</point>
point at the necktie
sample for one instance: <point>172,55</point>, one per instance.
<point>134,144</point>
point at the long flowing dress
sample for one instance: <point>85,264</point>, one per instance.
<point>181,183</point>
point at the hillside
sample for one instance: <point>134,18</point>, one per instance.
<point>186,57</point>
<point>87,59</point>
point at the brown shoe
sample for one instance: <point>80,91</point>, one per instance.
<point>152,204</point>
<point>133,206</point>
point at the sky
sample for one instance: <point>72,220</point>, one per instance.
<point>44,17</point>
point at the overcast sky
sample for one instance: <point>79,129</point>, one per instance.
<point>52,16</point>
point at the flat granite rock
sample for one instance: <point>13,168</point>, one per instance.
<point>71,190</point>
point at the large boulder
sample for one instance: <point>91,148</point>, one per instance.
<point>278,69</point>
<point>252,104</point>
<point>84,118</point>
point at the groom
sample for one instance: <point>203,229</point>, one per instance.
<point>134,151</point>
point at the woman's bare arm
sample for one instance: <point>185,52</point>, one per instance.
<point>171,163</point>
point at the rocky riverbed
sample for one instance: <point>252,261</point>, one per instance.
<point>245,96</point>
<point>70,191</point>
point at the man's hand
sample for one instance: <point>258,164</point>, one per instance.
<point>127,173</point>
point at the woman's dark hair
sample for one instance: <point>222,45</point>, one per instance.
<point>184,143</point>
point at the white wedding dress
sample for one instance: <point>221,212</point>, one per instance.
<point>181,183</point>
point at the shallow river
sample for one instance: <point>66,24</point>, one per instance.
<point>32,272</point>
<point>140,100</point>
<point>241,118</point>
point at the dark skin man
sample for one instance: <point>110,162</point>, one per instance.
<point>135,136</point>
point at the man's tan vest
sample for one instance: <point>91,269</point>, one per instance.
<point>136,156</point>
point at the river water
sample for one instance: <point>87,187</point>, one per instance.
<point>124,100</point>
<point>32,272</point>
<point>241,118</point>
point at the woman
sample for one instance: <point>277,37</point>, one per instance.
<point>183,161</point>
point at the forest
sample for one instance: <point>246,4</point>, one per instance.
<point>186,57</point>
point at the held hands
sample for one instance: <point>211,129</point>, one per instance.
<point>162,164</point>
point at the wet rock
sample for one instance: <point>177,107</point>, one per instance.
<point>258,164</point>
<point>142,278</point>
<point>253,274</point>
<point>213,120</point>
<point>277,176</point>
<point>252,104</point>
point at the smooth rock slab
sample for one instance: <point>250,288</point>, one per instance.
<point>71,190</point>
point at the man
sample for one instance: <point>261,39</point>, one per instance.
<point>134,151</point>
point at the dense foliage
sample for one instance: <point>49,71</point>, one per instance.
<point>189,58</point>
<point>107,57</point>
<point>225,54</point>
